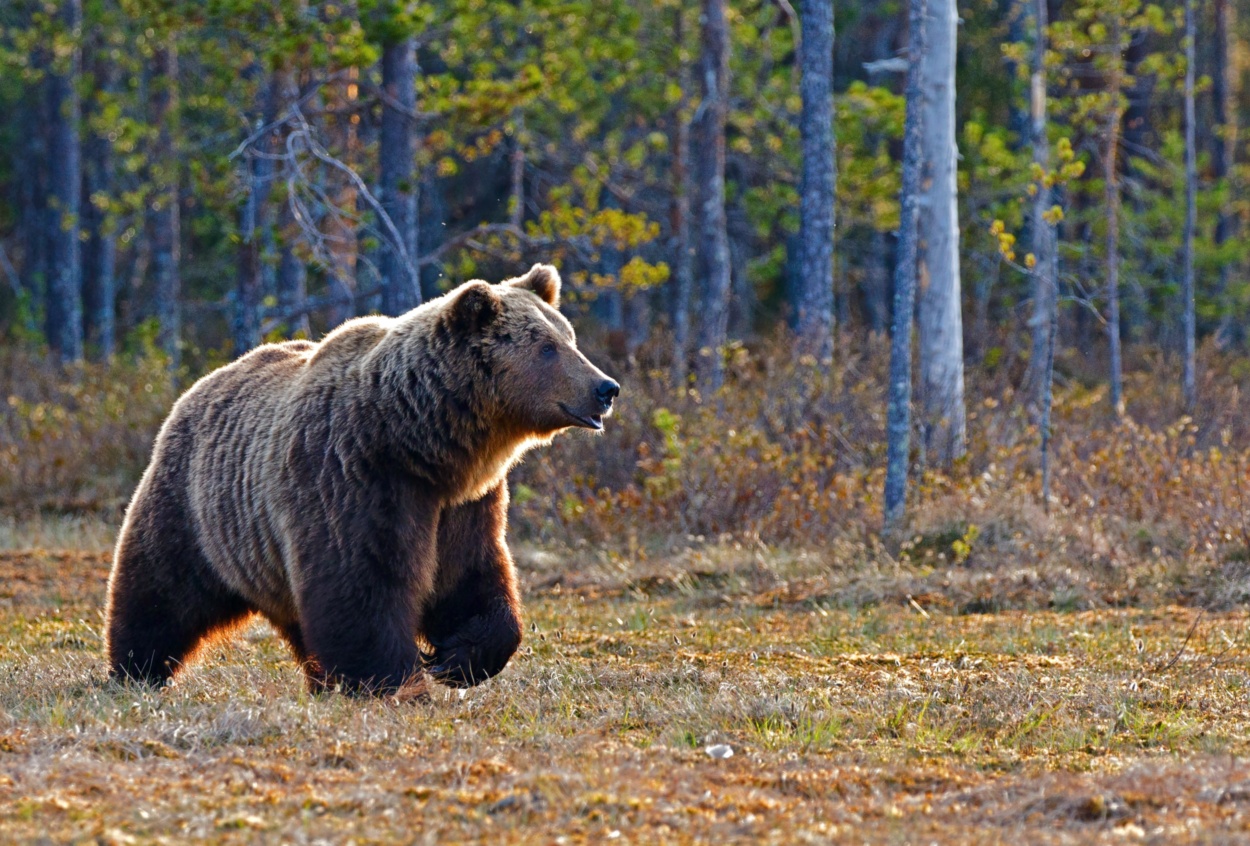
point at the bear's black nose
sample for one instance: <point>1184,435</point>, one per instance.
<point>606,392</point>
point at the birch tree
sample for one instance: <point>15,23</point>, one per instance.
<point>941,322</point>
<point>1045,258</point>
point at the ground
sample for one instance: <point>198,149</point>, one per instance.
<point>894,720</point>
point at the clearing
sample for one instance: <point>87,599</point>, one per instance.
<point>886,722</point>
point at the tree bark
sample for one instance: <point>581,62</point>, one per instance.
<point>1045,295</point>
<point>708,137</point>
<point>254,227</point>
<point>1191,199</point>
<point>682,250</point>
<point>1045,253</point>
<point>166,237</point>
<point>292,275</point>
<point>898,426</point>
<point>33,188</point>
<point>941,323</point>
<point>64,300</point>
<point>818,180</point>
<point>99,259</point>
<point>876,283</point>
<point>401,287</point>
<point>1224,94</point>
<point>1111,190</point>
<point>433,232</point>
<point>340,237</point>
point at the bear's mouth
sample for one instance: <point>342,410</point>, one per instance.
<point>586,421</point>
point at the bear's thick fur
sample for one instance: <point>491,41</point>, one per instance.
<point>353,492</point>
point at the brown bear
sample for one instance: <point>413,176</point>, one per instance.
<point>353,492</point>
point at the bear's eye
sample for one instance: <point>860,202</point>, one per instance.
<point>549,350</point>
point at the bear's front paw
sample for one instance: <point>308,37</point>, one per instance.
<point>479,650</point>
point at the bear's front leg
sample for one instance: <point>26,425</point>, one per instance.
<point>359,597</point>
<point>473,621</point>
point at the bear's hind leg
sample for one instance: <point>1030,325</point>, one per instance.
<point>163,601</point>
<point>314,676</point>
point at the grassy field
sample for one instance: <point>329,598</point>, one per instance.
<point>854,713</point>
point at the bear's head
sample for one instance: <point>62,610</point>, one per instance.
<point>539,380</point>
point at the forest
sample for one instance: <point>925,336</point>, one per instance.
<point>922,513</point>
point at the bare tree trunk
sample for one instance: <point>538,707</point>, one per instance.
<point>876,283</point>
<point>340,237</point>
<point>64,301</point>
<point>818,182</point>
<point>292,277</point>
<point>683,263</point>
<point>253,228</point>
<point>941,321</point>
<point>433,216</point>
<point>709,178</point>
<point>741,291</point>
<point>1111,182</point>
<point>99,260</point>
<point>1045,270</point>
<point>1224,94</point>
<point>517,160</point>
<point>165,221</point>
<point>1191,199</point>
<point>33,187</point>
<point>898,426</point>
<point>401,286</point>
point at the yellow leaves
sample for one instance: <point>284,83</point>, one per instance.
<point>1053,215</point>
<point>1006,240</point>
<point>1073,170</point>
<point>637,274</point>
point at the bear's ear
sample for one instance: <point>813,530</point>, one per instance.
<point>543,280</point>
<point>475,306</point>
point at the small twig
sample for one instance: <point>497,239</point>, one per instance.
<point>9,272</point>
<point>279,121</point>
<point>323,155</point>
<point>1181,651</point>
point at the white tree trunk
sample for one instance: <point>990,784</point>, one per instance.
<point>941,321</point>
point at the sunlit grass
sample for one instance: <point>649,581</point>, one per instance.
<point>878,720</point>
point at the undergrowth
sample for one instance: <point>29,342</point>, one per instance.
<point>788,455</point>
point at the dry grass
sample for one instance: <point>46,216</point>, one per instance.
<point>710,571</point>
<point>853,713</point>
